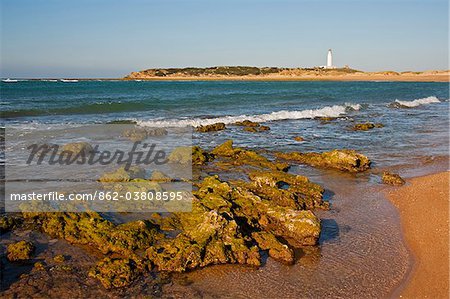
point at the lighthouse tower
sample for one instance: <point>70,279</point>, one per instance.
<point>330,60</point>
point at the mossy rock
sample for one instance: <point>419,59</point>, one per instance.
<point>241,157</point>
<point>75,148</point>
<point>211,128</point>
<point>188,155</point>
<point>366,126</point>
<point>287,189</point>
<point>123,175</point>
<point>226,149</point>
<point>8,222</point>
<point>140,133</point>
<point>257,129</point>
<point>207,238</point>
<point>344,160</point>
<point>277,250</point>
<point>21,250</point>
<point>59,258</point>
<point>247,123</point>
<point>392,179</point>
<point>159,176</point>
<point>91,229</point>
<point>115,273</point>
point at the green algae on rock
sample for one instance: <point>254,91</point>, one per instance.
<point>140,133</point>
<point>277,250</point>
<point>344,160</point>
<point>8,222</point>
<point>392,179</point>
<point>89,228</point>
<point>115,273</point>
<point>366,126</point>
<point>256,129</point>
<point>123,175</point>
<point>76,148</point>
<point>247,123</point>
<point>245,157</point>
<point>59,258</point>
<point>211,128</point>
<point>287,189</point>
<point>189,154</point>
<point>21,250</point>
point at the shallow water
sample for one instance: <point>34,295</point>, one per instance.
<point>361,255</point>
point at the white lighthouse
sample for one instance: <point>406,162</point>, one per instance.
<point>330,60</point>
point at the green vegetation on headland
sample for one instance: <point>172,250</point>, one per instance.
<point>232,71</point>
<point>280,73</point>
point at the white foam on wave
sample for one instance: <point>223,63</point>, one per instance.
<point>329,111</point>
<point>418,102</point>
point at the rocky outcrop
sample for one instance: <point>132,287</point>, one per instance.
<point>211,128</point>
<point>344,160</point>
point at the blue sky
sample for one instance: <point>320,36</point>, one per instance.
<point>109,38</point>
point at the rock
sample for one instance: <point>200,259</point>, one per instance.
<point>392,179</point>
<point>251,129</point>
<point>245,157</point>
<point>257,129</point>
<point>39,266</point>
<point>298,228</point>
<point>158,176</point>
<point>8,222</point>
<point>344,160</point>
<point>277,250</point>
<point>207,238</point>
<point>122,122</point>
<point>77,148</point>
<point>288,190</point>
<point>366,126</point>
<point>90,228</point>
<point>59,258</point>
<point>123,175</point>
<point>299,139</point>
<point>226,149</point>
<point>211,128</point>
<point>247,123</point>
<point>21,250</point>
<point>140,133</point>
<point>189,154</point>
<point>115,273</point>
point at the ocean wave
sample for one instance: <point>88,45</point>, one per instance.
<point>329,111</point>
<point>414,103</point>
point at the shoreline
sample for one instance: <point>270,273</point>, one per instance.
<point>428,276</point>
<point>349,78</point>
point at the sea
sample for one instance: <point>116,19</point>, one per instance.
<point>361,252</point>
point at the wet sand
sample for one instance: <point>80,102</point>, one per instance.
<point>423,205</point>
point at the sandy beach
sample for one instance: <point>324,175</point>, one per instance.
<point>423,207</point>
